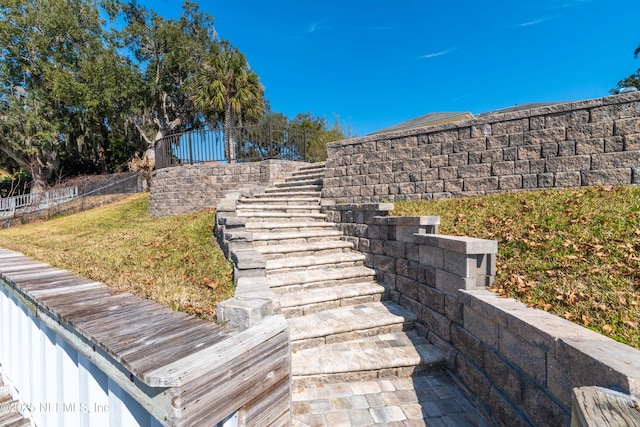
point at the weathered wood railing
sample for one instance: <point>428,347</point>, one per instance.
<point>80,353</point>
<point>37,201</point>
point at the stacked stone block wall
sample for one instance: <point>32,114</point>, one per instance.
<point>520,363</point>
<point>594,142</point>
<point>183,189</point>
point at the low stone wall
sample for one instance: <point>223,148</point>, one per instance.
<point>184,189</point>
<point>564,145</point>
<point>520,363</point>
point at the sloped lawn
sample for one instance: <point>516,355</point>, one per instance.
<point>174,261</point>
<point>574,253</point>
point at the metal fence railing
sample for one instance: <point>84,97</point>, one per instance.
<point>241,144</point>
<point>36,201</point>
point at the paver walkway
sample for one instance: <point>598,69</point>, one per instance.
<point>424,400</point>
<point>356,357</point>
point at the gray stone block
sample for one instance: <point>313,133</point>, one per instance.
<point>510,127</point>
<point>627,126</point>
<point>472,376</point>
<point>488,183</point>
<point>566,148</point>
<point>492,156</point>
<point>615,143</point>
<point>394,249</point>
<point>458,159</point>
<point>511,182</point>
<point>432,298</point>
<point>504,376</point>
<point>590,131</point>
<point>528,358</point>
<point>607,177</point>
<point>407,286</point>
<point>435,322</point>
<point>453,185</point>
<point>443,136</point>
<point>569,164</point>
<point>625,159</point>
<point>590,146</point>
<point>545,136</point>
<point>243,314</point>
<point>499,141</point>
<point>546,180</point>
<point>474,171</point>
<point>542,409</point>
<point>431,255</point>
<point>472,144</point>
<point>527,152</point>
<point>384,263</point>
<point>439,161</point>
<point>468,344</point>
<point>434,186</point>
<point>453,309</point>
<point>483,328</point>
<point>504,168</point>
<point>248,259</point>
<point>504,412</point>
<point>450,283</point>
<point>568,179</point>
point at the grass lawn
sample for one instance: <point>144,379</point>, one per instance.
<point>574,253</point>
<point>174,261</point>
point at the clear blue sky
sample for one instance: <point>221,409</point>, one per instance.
<point>378,63</point>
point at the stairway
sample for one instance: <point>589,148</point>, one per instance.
<point>9,409</point>
<point>342,327</point>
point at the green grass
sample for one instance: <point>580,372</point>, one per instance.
<point>574,253</point>
<point>174,261</point>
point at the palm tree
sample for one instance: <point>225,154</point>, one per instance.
<point>227,91</point>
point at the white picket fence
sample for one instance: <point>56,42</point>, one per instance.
<point>36,201</point>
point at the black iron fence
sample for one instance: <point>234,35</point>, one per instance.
<point>240,144</point>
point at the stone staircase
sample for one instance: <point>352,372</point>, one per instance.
<point>342,327</point>
<point>9,414</point>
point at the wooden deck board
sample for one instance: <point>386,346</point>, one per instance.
<point>132,330</point>
<point>189,342</point>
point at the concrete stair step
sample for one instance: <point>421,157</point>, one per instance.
<point>279,217</point>
<point>294,237</point>
<point>292,192</point>
<point>261,207</point>
<point>289,226</point>
<point>297,304</point>
<point>268,200</point>
<point>316,165</point>
<point>304,249</point>
<point>349,323</point>
<point>5,393</point>
<point>305,175</point>
<point>394,354</point>
<point>315,262</point>
<point>285,282</point>
<point>294,187</point>
<point>13,418</point>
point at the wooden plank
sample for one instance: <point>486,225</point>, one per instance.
<point>41,273</point>
<point>66,289</point>
<point>602,407</point>
<point>190,342</point>
<point>8,267</point>
<point>47,283</point>
<point>187,369</point>
<point>253,375</point>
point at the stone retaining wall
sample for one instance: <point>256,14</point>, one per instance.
<point>564,145</point>
<point>520,363</point>
<point>184,189</point>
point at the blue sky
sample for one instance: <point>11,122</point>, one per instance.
<point>378,63</point>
